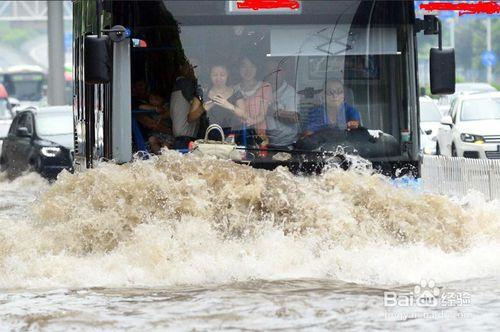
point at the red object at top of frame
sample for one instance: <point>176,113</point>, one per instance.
<point>464,8</point>
<point>267,4</point>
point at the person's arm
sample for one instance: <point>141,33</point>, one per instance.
<point>195,110</point>
<point>289,111</point>
<point>189,93</point>
<point>146,121</point>
<point>148,107</point>
<point>287,116</point>
<point>263,102</point>
<point>161,127</point>
<point>312,122</point>
<point>353,118</point>
<point>238,108</point>
<point>164,112</point>
<point>208,105</point>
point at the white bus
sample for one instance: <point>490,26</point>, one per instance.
<point>26,83</point>
<point>314,49</point>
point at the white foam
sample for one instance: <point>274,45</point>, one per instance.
<point>182,220</point>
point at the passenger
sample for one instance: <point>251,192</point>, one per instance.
<point>257,96</point>
<point>337,113</point>
<point>201,90</point>
<point>140,94</point>
<point>140,97</point>
<point>282,117</point>
<point>199,74</point>
<point>225,106</point>
<point>186,107</point>
<point>160,132</point>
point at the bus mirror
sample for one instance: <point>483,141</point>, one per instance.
<point>442,67</point>
<point>97,60</point>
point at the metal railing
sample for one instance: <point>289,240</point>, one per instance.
<point>30,11</point>
<point>458,176</point>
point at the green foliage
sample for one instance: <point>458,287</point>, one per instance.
<point>496,85</point>
<point>14,36</point>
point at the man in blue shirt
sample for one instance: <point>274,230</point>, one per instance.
<point>337,113</point>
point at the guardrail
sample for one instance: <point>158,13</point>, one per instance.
<point>455,176</point>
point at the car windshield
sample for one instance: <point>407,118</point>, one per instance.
<point>473,87</point>
<point>481,109</point>
<point>462,88</point>
<point>54,124</point>
<point>4,111</point>
<point>429,112</point>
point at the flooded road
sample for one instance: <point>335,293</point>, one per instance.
<point>174,243</point>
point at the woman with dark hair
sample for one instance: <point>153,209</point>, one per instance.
<point>225,105</point>
<point>186,107</point>
<point>257,96</point>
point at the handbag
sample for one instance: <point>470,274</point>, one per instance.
<point>219,149</point>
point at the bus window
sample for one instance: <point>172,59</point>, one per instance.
<point>360,44</point>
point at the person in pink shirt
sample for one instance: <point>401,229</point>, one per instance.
<point>257,95</point>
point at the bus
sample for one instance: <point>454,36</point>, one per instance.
<point>26,83</point>
<point>365,49</point>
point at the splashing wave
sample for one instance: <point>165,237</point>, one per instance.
<point>180,219</point>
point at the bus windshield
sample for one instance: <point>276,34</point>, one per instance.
<point>24,86</point>
<point>328,73</point>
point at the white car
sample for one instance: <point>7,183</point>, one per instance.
<point>430,121</point>
<point>472,130</point>
<point>445,101</point>
<point>6,115</point>
<point>427,145</point>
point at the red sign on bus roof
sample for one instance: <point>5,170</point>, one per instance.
<point>268,4</point>
<point>464,8</point>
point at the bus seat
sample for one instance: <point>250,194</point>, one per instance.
<point>137,135</point>
<point>349,96</point>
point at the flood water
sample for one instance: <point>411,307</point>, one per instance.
<point>176,243</point>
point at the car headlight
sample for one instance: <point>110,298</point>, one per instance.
<point>50,151</point>
<point>472,138</point>
<point>428,150</point>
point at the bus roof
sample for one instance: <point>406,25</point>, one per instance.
<point>20,69</point>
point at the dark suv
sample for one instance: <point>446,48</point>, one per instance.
<point>39,140</point>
